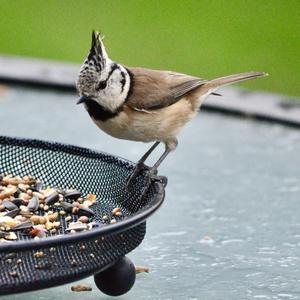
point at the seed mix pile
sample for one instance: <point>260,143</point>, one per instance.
<point>31,209</point>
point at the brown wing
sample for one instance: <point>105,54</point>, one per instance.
<point>153,89</point>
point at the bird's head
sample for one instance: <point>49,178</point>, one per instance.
<point>101,79</point>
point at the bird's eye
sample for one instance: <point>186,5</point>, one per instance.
<point>101,85</point>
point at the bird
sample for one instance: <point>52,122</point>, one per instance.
<point>143,105</point>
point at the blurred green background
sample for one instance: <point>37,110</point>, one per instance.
<point>204,38</point>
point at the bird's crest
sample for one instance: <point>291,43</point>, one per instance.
<point>97,55</point>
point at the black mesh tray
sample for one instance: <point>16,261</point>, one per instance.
<point>69,257</point>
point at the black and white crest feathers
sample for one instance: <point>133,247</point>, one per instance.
<point>94,64</point>
<point>97,55</point>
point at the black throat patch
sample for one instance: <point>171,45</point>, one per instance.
<point>98,112</point>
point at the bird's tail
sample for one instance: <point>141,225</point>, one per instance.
<point>214,84</point>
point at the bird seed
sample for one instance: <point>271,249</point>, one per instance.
<point>28,208</point>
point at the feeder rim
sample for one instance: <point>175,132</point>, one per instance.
<point>95,232</point>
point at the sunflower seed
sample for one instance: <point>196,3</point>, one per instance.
<point>18,202</point>
<point>13,213</point>
<point>24,225</point>
<point>37,187</point>
<point>67,206</point>
<point>85,211</point>
<point>9,205</point>
<point>51,199</point>
<point>33,204</point>
<point>72,194</point>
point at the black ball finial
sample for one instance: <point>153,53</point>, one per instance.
<point>118,279</point>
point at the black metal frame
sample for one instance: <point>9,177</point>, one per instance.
<point>116,240</point>
<point>111,229</point>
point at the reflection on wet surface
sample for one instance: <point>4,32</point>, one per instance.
<point>230,225</point>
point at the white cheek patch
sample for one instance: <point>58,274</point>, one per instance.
<point>114,96</point>
<point>115,93</point>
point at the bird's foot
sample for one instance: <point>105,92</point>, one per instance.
<point>140,167</point>
<point>151,177</point>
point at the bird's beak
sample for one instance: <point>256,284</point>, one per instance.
<point>82,99</point>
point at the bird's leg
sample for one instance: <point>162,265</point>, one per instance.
<point>140,165</point>
<point>146,155</point>
<point>160,160</point>
<point>153,171</point>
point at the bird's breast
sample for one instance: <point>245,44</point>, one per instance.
<point>158,125</point>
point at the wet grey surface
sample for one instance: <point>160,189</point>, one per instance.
<point>230,224</point>
<point>273,107</point>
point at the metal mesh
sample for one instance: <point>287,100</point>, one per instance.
<point>71,257</point>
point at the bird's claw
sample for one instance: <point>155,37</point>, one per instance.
<point>163,180</point>
<point>151,177</point>
<point>137,170</point>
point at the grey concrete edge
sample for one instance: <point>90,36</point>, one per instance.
<point>235,101</point>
